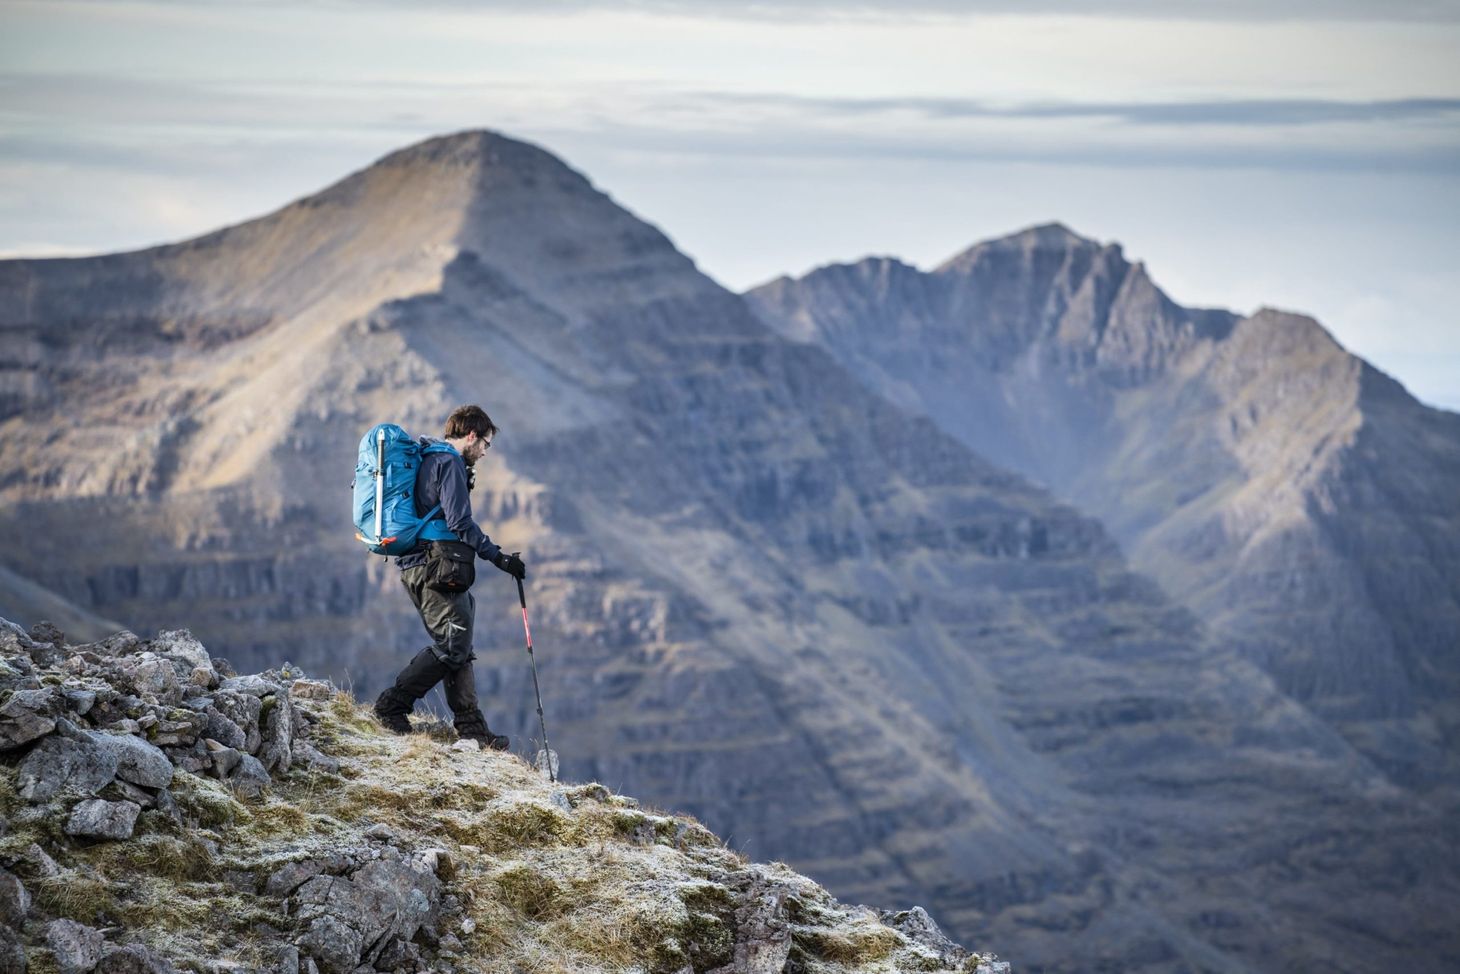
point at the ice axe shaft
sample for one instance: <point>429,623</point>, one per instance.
<point>547,756</point>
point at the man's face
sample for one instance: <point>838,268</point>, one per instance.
<point>476,448</point>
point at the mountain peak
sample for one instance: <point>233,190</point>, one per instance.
<point>475,147</point>
<point>1044,238</point>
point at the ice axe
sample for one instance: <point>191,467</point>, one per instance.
<point>546,758</point>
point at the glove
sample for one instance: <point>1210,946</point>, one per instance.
<point>471,478</point>
<point>512,564</point>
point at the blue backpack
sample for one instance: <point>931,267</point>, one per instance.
<point>385,492</point>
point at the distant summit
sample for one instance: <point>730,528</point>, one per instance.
<point>1047,236</point>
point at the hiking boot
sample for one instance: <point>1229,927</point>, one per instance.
<point>472,726</point>
<point>489,741</point>
<point>393,709</point>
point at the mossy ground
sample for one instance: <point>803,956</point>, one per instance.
<point>553,879</point>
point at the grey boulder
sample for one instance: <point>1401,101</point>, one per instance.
<point>349,920</point>
<point>14,900</point>
<point>138,761</point>
<point>223,730</point>
<point>132,959</point>
<point>77,947</point>
<point>252,684</point>
<point>12,952</point>
<point>276,726</point>
<point>27,715</point>
<point>154,678</point>
<point>249,779</point>
<point>180,646</point>
<point>77,764</point>
<point>100,819</point>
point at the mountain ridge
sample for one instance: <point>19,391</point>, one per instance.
<point>1209,442</point>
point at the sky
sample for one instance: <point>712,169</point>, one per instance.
<point>1303,155</point>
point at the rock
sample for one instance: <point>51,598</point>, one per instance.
<point>167,806</point>
<point>79,700</point>
<point>290,876</point>
<point>153,678</point>
<point>243,709</point>
<point>77,764</point>
<point>333,943</point>
<point>276,728</point>
<point>27,715</point>
<point>917,926</point>
<point>47,632</point>
<point>132,959</point>
<point>762,929</point>
<point>183,731</point>
<point>307,755</point>
<point>14,900</point>
<point>439,861</point>
<point>12,952</point>
<point>120,643</point>
<point>465,744</point>
<point>380,832</point>
<point>224,730</point>
<point>38,862</point>
<point>252,685</point>
<point>139,762</point>
<point>77,947</point>
<point>96,818</point>
<point>288,961</point>
<point>249,779</point>
<point>126,791</point>
<point>311,690</point>
<point>223,759</point>
<point>180,646</point>
<point>193,759</point>
<point>363,912</point>
<point>13,675</point>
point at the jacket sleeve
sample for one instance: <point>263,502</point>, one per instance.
<point>456,507</point>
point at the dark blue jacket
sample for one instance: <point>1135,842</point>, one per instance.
<point>442,480</point>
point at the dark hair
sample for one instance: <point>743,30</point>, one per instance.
<point>469,419</point>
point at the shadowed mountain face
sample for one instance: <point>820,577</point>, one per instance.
<point>762,592</point>
<point>1300,502</point>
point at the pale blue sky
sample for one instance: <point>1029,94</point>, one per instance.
<point>1303,155</point>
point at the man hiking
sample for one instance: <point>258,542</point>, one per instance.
<point>438,575</point>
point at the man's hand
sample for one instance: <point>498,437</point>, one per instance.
<point>512,564</point>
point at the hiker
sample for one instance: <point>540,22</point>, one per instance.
<point>438,575</point>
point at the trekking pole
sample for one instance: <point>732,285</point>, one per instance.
<point>546,755</point>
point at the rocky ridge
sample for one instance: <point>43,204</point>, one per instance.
<point>1296,499</point>
<point>160,813</point>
